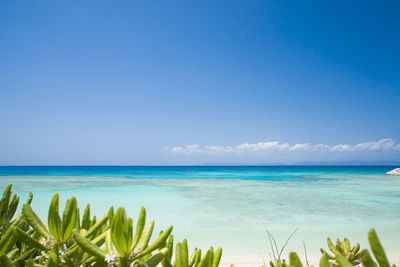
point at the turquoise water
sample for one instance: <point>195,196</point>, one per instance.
<point>233,207</point>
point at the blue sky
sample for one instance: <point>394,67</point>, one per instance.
<point>137,82</point>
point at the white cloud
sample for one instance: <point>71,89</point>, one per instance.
<point>385,144</point>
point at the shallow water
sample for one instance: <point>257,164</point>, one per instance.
<point>233,207</point>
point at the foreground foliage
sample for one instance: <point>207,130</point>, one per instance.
<point>68,240</point>
<point>343,255</point>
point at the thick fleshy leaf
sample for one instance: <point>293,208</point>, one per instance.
<point>160,240</point>
<point>30,263</point>
<point>53,260</point>
<point>377,249</point>
<point>130,232</point>
<point>27,239</point>
<point>331,246</point>
<point>98,225</point>
<point>26,255</point>
<point>156,258</point>
<point>192,258</point>
<point>119,232</point>
<point>5,200</point>
<point>30,197</point>
<point>88,246</point>
<point>7,241</point>
<point>346,245</point>
<point>78,220</point>
<point>217,257</point>
<point>197,258</point>
<point>343,262</point>
<point>211,256</point>
<point>204,261</point>
<point>5,261</point>
<point>185,253</point>
<point>139,226</point>
<point>170,246</point>
<point>13,206</point>
<point>295,260</point>
<point>145,238</point>
<point>54,220</point>
<point>324,261</point>
<point>69,219</point>
<point>86,218</point>
<point>179,255</point>
<point>366,259</point>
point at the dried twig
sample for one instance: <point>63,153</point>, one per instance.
<point>287,241</point>
<point>305,252</point>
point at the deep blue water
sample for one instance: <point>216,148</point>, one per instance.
<point>254,172</point>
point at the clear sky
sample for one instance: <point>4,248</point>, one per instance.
<point>180,82</point>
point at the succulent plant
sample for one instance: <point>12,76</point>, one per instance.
<point>351,254</point>
<point>122,247</point>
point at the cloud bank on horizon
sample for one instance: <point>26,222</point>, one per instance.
<point>277,150</point>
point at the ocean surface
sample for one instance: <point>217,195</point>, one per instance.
<point>233,207</point>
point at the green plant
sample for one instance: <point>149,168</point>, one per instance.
<point>351,254</point>
<point>67,240</point>
<point>210,258</point>
<point>121,247</point>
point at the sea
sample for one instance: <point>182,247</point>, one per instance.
<point>233,207</point>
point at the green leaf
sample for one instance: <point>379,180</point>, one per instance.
<point>53,260</point>
<point>7,241</point>
<point>331,246</point>
<point>341,260</point>
<point>54,220</point>
<point>377,249</point>
<point>157,258</point>
<point>324,261</point>
<point>109,244</point>
<point>13,206</point>
<point>161,239</point>
<point>30,263</point>
<point>211,257</point>
<point>69,219</point>
<point>5,261</point>
<point>329,256</point>
<point>346,245</point>
<point>27,239</point>
<point>192,258</point>
<point>110,214</point>
<point>179,256</point>
<point>197,257</point>
<point>13,253</point>
<point>366,259</point>
<point>130,232</point>
<point>295,260</point>
<point>204,261</point>
<point>140,226</point>
<point>88,246</point>
<point>5,200</point>
<point>26,255</point>
<point>30,197</point>
<point>217,257</point>
<point>145,238</point>
<point>78,220</point>
<point>93,230</point>
<point>356,248</point>
<point>119,232</point>
<point>185,253</point>
<point>86,218</point>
